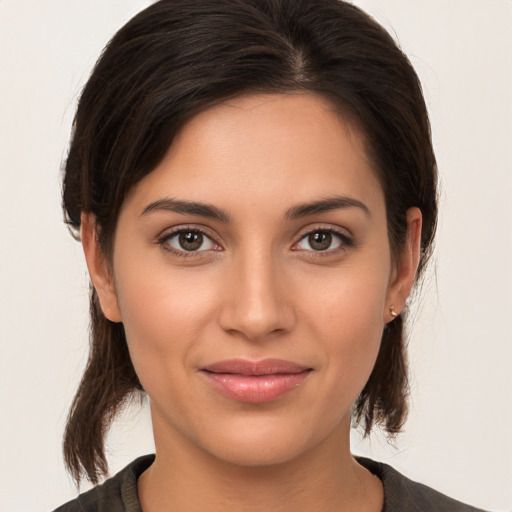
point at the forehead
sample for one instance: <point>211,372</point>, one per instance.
<point>274,147</point>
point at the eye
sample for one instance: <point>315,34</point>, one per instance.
<point>188,240</point>
<point>322,240</point>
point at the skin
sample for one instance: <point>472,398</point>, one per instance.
<point>256,288</point>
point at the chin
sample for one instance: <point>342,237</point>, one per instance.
<point>253,454</point>
<point>266,444</point>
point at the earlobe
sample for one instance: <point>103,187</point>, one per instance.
<point>99,271</point>
<point>407,266</point>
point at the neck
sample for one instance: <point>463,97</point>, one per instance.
<point>324,479</point>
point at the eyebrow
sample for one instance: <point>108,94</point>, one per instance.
<point>187,207</point>
<point>294,213</point>
<point>325,205</point>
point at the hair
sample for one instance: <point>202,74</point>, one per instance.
<point>180,57</point>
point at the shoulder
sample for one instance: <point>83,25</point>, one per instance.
<point>404,495</point>
<point>117,494</point>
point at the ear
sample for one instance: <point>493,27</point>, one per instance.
<point>99,269</point>
<point>407,265</point>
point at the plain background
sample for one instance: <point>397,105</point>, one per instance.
<point>458,438</point>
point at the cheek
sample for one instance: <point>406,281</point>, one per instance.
<point>163,317</point>
<point>346,319</point>
<point>349,302</point>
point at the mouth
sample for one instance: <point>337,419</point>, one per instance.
<point>255,381</point>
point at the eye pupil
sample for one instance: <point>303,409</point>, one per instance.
<point>320,240</point>
<point>190,240</point>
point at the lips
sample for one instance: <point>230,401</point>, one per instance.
<point>255,381</point>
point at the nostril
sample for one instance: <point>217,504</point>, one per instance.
<point>256,323</point>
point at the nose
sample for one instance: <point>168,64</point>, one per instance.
<point>257,304</point>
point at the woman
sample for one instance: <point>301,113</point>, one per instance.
<point>254,186</point>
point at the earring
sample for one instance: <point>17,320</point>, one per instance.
<point>392,311</point>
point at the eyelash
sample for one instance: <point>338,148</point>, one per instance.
<point>163,241</point>
<point>346,242</point>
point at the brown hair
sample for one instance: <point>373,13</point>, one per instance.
<point>180,57</point>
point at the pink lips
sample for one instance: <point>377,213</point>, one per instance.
<point>255,381</point>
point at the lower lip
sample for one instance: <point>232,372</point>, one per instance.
<point>255,389</point>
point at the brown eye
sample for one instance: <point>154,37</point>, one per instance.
<point>190,240</point>
<point>322,240</point>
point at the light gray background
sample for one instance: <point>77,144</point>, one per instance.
<point>458,438</point>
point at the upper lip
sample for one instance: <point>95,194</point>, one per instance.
<point>248,368</point>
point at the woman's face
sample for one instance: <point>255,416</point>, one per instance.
<point>252,273</point>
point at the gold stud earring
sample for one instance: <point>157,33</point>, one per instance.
<point>392,311</point>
